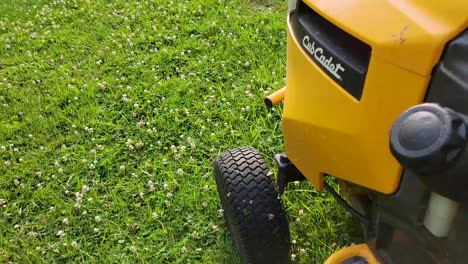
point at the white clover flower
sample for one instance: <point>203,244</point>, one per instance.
<point>74,244</point>
<point>293,257</point>
<point>184,250</point>
<point>85,189</point>
<point>180,171</point>
<point>16,182</point>
<point>173,148</point>
<point>141,123</point>
<point>65,221</point>
<point>78,196</point>
<point>155,215</point>
<point>122,167</point>
<point>60,233</point>
<point>97,218</point>
<point>151,186</point>
<point>133,249</point>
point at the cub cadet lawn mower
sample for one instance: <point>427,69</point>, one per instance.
<point>377,97</point>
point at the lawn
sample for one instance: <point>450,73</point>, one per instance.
<point>111,113</point>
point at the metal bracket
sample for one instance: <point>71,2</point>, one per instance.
<point>287,172</point>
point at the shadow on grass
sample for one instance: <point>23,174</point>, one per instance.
<point>318,224</point>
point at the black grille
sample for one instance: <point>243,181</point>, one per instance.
<point>340,55</point>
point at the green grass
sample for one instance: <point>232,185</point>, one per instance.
<point>111,114</point>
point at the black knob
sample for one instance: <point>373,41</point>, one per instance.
<point>427,138</point>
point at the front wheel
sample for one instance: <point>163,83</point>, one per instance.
<point>252,209</point>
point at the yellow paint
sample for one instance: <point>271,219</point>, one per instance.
<point>326,130</point>
<point>361,250</point>
<point>424,25</point>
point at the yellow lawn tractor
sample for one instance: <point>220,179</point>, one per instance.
<point>377,97</point>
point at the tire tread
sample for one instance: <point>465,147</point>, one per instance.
<point>252,207</point>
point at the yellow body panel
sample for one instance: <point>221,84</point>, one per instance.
<point>408,33</point>
<point>327,131</point>
<point>361,250</point>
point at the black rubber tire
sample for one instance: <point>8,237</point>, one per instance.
<point>252,208</point>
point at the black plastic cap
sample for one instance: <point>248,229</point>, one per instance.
<point>427,138</point>
<point>268,102</point>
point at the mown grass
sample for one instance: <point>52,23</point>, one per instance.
<point>111,113</point>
